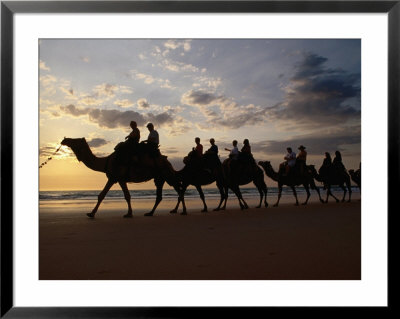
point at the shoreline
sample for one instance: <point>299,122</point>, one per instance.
<point>193,204</point>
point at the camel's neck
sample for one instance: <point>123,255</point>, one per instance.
<point>272,174</point>
<point>170,174</point>
<point>85,155</point>
<point>179,174</point>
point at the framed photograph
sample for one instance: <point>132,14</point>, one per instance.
<point>169,158</point>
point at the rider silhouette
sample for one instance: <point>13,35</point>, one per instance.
<point>301,159</point>
<point>153,140</point>
<point>125,150</point>
<point>213,148</point>
<point>290,161</point>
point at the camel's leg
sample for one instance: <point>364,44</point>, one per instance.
<point>308,193</point>
<point>198,187</point>
<point>261,197</point>
<point>344,192</point>
<point>175,210</point>
<point>101,197</point>
<point>295,195</point>
<point>279,195</point>
<point>350,191</point>
<point>260,191</point>
<point>222,193</point>
<point>181,195</point>
<point>245,206</point>
<point>127,196</point>
<point>348,185</point>
<point>226,197</point>
<point>265,189</point>
<point>244,202</point>
<point>317,189</point>
<point>236,190</point>
<point>329,192</point>
<point>159,184</point>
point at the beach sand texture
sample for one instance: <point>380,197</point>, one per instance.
<point>313,242</point>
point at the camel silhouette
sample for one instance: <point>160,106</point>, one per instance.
<point>200,171</point>
<point>145,169</point>
<point>243,173</point>
<point>292,180</point>
<point>331,178</point>
<point>356,177</point>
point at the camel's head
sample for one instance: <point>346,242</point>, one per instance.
<point>76,144</point>
<point>73,142</point>
<point>65,141</point>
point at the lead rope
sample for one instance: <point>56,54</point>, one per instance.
<point>50,157</point>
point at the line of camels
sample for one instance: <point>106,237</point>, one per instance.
<point>204,171</point>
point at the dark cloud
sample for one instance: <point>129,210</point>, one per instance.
<point>116,118</point>
<point>317,96</point>
<point>72,110</point>
<point>310,66</point>
<point>142,103</point>
<point>315,144</point>
<point>201,98</point>
<point>223,112</point>
<point>97,142</point>
<point>234,120</point>
<point>160,119</point>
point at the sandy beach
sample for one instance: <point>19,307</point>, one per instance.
<point>313,242</point>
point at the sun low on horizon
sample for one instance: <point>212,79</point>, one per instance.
<point>276,93</point>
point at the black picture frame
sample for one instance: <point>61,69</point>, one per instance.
<point>9,8</point>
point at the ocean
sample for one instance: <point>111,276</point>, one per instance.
<point>191,193</point>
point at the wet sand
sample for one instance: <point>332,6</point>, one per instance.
<point>313,242</point>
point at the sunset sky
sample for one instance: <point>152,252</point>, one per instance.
<point>276,93</point>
